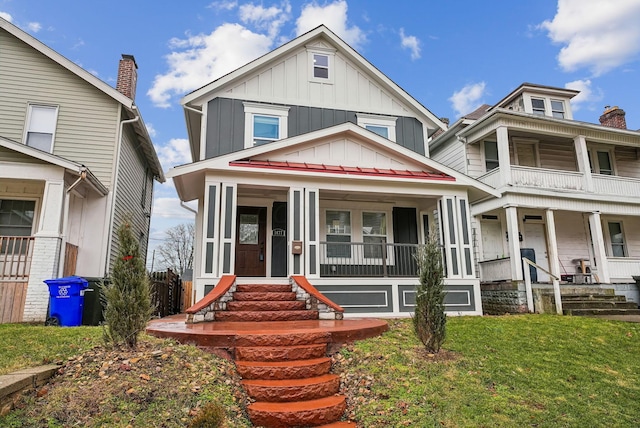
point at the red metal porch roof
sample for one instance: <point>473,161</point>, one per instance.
<point>340,169</point>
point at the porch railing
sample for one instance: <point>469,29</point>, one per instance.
<point>616,185</point>
<point>547,178</point>
<point>623,268</point>
<point>362,259</point>
<point>496,269</point>
<point>15,257</point>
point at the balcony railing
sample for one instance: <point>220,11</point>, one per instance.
<point>547,178</point>
<point>623,269</point>
<point>616,185</point>
<point>15,257</point>
<point>359,259</point>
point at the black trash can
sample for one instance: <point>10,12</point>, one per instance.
<point>93,310</point>
<point>66,297</point>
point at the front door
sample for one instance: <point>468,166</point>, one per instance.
<point>535,238</point>
<point>251,241</point>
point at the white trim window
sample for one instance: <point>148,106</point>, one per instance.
<point>557,109</point>
<point>537,106</point>
<point>491,161</point>
<point>16,219</point>
<point>321,65</point>
<point>526,152</point>
<point>616,239</point>
<point>264,123</point>
<point>601,161</point>
<point>338,224</point>
<point>41,127</point>
<point>384,126</point>
<point>374,234</point>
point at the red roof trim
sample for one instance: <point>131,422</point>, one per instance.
<point>339,169</point>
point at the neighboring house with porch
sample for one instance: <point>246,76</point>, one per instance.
<point>570,190</point>
<point>310,161</point>
<point>76,159</point>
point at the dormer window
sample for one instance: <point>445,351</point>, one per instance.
<point>264,123</point>
<point>537,104</point>
<point>557,109</point>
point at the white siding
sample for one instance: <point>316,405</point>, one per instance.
<point>571,234</point>
<point>628,161</point>
<point>87,118</point>
<point>557,156</point>
<point>451,155</point>
<point>288,82</point>
<point>475,165</point>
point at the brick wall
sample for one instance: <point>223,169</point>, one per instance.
<point>44,265</point>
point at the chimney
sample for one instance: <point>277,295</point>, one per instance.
<point>445,120</point>
<point>127,76</point>
<point>613,117</point>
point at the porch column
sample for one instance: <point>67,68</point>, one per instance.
<point>211,231</point>
<point>584,166</point>
<point>599,252</point>
<point>296,226</point>
<point>450,236</point>
<point>228,209</point>
<point>312,232</point>
<point>513,236</point>
<point>502,135</point>
<point>554,261</point>
<point>46,252</point>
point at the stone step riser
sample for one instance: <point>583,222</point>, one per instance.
<point>599,305</point>
<point>313,413</point>
<point>293,339</point>
<point>242,296</point>
<point>263,288</point>
<point>258,370</point>
<point>270,305</point>
<point>287,391</point>
<point>280,353</point>
<point>260,316</point>
<point>599,297</point>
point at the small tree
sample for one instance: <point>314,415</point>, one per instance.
<point>128,295</point>
<point>429,319</point>
<point>176,252</point>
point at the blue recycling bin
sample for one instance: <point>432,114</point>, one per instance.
<point>66,298</point>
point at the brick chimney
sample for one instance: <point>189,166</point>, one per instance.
<point>613,117</point>
<point>127,76</point>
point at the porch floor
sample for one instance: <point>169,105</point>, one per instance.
<point>220,334</point>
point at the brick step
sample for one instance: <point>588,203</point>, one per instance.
<point>292,389</point>
<point>289,338</point>
<point>590,312</point>
<point>596,304</point>
<point>298,369</point>
<point>279,295</point>
<point>299,413</point>
<point>259,316</point>
<point>264,305</point>
<point>280,353</point>
<point>263,288</point>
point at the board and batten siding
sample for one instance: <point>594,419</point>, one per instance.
<point>225,125</point>
<point>288,81</point>
<point>133,194</point>
<point>87,118</point>
<point>451,155</point>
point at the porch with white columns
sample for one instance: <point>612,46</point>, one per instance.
<point>599,252</point>
<point>504,162</point>
<point>513,242</point>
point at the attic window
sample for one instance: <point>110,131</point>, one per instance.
<point>537,104</point>
<point>321,64</point>
<point>557,109</point>
<point>385,126</point>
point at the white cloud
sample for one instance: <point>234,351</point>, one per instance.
<point>175,152</point>
<point>203,58</point>
<point>468,98</point>
<point>412,43</point>
<point>270,19</point>
<point>151,130</point>
<point>596,34</point>
<point>34,26</point>
<point>223,5</point>
<point>170,208</point>
<point>588,95</point>
<point>6,16</point>
<point>334,16</point>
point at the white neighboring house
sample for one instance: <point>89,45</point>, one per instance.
<point>310,161</point>
<point>76,159</point>
<point>570,190</point>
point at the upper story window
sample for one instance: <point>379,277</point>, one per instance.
<point>537,105</point>
<point>384,126</point>
<point>41,127</point>
<point>601,161</point>
<point>321,64</point>
<point>491,155</point>
<point>264,123</point>
<point>557,109</point>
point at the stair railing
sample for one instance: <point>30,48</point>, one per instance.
<point>527,285</point>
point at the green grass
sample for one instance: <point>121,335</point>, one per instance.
<point>25,345</point>
<point>540,371</point>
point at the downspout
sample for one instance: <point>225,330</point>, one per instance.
<point>65,220</point>
<point>188,208</point>
<point>115,188</point>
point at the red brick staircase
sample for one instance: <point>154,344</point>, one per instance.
<point>286,373</point>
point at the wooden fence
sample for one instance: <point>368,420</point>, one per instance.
<point>15,263</point>
<point>166,293</point>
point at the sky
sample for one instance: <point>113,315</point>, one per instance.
<point>451,56</point>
